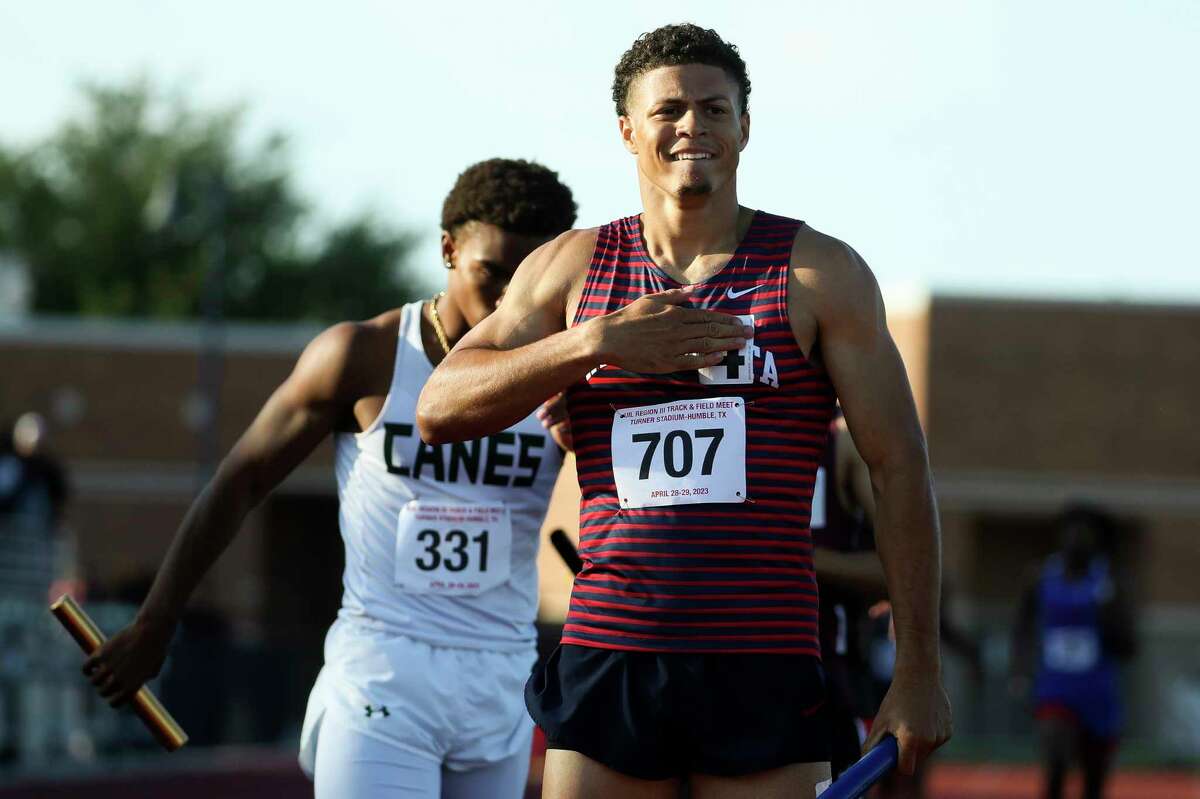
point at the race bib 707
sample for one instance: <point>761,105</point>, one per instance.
<point>680,453</point>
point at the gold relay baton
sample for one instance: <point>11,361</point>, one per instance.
<point>85,632</point>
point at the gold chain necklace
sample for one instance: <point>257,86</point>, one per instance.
<point>437,321</point>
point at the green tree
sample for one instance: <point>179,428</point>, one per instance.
<point>144,206</point>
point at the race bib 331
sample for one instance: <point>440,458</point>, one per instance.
<point>453,548</point>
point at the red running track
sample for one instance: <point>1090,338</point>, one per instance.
<point>984,781</point>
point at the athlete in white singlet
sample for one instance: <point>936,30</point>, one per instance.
<point>421,692</point>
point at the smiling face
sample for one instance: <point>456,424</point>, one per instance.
<point>687,129</point>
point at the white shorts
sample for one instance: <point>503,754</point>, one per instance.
<point>428,720</point>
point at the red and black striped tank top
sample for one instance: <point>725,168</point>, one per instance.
<point>711,577</point>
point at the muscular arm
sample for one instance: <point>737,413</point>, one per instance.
<point>876,398</point>
<point>517,357</point>
<point>524,353</point>
<point>296,418</point>
<point>871,382</point>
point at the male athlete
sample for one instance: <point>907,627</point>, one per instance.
<point>420,694</point>
<point>1074,623</point>
<point>701,345</point>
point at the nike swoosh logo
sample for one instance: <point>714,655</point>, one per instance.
<point>733,295</point>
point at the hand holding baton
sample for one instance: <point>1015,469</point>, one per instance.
<point>858,779</point>
<point>85,632</point>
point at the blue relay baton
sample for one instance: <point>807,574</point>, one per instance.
<point>858,779</point>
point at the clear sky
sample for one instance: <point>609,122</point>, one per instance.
<point>1042,147</point>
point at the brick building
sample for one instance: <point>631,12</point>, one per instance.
<point>1027,405</point>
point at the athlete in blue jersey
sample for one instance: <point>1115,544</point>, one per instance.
<point>1074,626</point>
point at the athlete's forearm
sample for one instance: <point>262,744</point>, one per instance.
<point>909,544</point>
<point>477,391</point>
<point>205,532</point>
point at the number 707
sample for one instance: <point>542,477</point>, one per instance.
<point>681,465</point>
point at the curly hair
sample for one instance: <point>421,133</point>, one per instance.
<point>514,195</point>
<point>672,45</point>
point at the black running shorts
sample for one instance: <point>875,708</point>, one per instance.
<point>655,716</point>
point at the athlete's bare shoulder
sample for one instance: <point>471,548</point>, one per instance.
<point>563,261</point>
<point>550,280</point>
<point>829,276</point>
<point>577,243</point>
<point>349,360</point>
<point>377,335</point>
<point>818,257</point>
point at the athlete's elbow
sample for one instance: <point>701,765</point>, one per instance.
<point>439,421</point>
<point>901,455</point>
<point>902,466</point>
<point>432,419</point>
<point>429,430</point>
<point>433,424</point>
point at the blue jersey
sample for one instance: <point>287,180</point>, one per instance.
<point>1074,670</point>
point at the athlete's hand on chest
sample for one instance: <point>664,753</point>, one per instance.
<point>655,335</point>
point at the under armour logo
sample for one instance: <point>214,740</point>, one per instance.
<point>381,709</point>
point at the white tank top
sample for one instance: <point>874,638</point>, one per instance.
<point>441,541</point>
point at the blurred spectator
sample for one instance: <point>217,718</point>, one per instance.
<point>32,488</point>
<point>33,494</point>
<point>32,497</point>
<point>1073,626</point>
